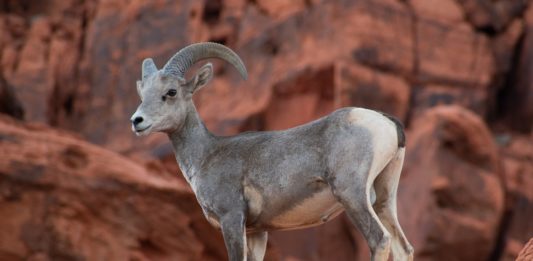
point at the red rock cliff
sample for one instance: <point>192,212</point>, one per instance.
<point>458,73</point>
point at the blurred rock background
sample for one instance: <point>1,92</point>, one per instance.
<point>76,184</point>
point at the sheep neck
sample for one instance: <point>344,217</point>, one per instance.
<point>191,143</point>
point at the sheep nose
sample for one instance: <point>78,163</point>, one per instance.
<point>137,120</point>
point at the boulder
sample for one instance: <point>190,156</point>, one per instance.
<point>451,194</point>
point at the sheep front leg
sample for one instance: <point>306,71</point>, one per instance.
<point>257,243</point>
<point>234,232</point>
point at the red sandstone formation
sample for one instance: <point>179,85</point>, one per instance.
<point>62,198</point>
<point>73,65</point>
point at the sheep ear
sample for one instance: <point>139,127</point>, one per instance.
<point>148,68</point>
<point>139,88</point>
<point>202,77</point>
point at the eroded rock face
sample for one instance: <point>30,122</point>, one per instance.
<point>76,65</point>
<point>451,195</point>
<point>40,55</point>
<point>62,198</point>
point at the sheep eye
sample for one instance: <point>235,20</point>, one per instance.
<point>171,92</point>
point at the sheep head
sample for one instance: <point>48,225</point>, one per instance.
<point>166,96</point>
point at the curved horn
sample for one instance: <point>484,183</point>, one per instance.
<point>186,57</point>
<point>148,68</point>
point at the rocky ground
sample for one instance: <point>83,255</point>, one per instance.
<point>76,184</point>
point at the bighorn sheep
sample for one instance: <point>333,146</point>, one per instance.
<point>255,182</point>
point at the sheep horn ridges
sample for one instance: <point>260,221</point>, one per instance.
<point>148,68</point>
<point>186,57</point>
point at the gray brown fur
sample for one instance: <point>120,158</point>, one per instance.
<point>256,182</point>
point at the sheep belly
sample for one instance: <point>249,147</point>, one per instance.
<point>317,209</point>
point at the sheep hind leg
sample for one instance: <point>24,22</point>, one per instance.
<point>386,187</point>
<point>355,198</point>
